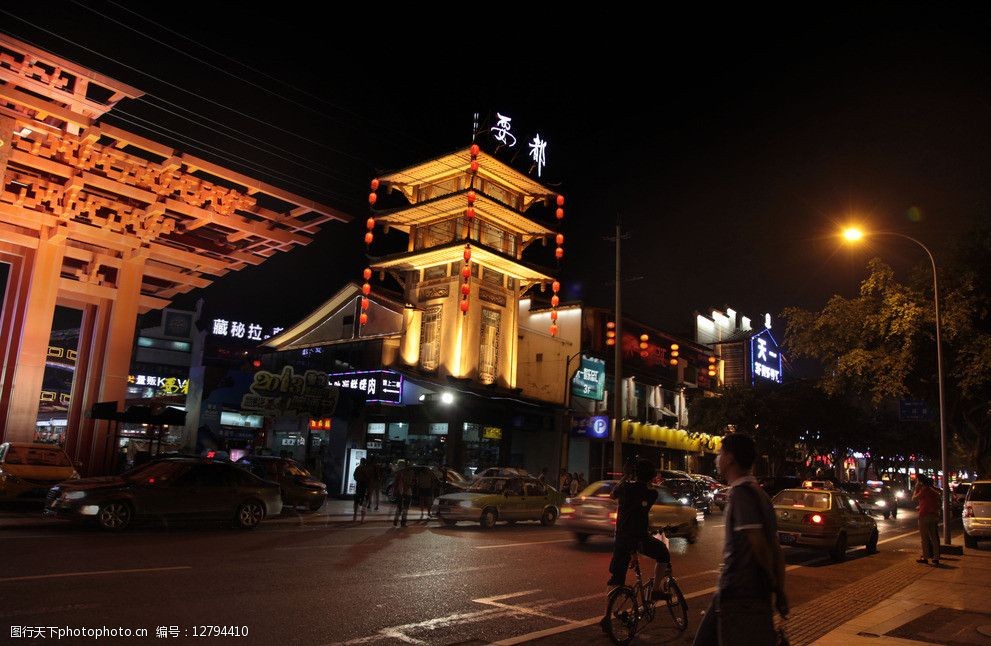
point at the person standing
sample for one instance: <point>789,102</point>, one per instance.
<point>425,484</point>
<point>374,482</point>
<point>402,489</point>
<point>360,490</point>
<point>929,501</point>
<point>741,612</point>
<point>573,488</point>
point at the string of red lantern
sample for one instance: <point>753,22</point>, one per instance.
<point>469,221</point>
<point>558,253</point>
<point>366,287</point>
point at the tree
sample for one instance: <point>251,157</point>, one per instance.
<point>880,346</point>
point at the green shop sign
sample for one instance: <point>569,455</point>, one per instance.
<point>590,379</point>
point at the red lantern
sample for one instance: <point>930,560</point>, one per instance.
<point>555,287</point>
<point>466,272</point>
<point>370,224</point>
<point>559,239</point>
<point>644,354</point>
<point>465,289</point>
<point>560,200</point>
<point>553,315</point>
<point>464,307</point>
<point>559,253</point>
<point>559,214</point>
<point>555,301</point>
<point>553,329</point>
<point>467,254</point>
<point>367,274</point>
<point>372,198</point>
<point>474,150</point>
<point>470,213</point>
<point>364,303</point>
<point>472,197</point>
<point>363,318</point>
<point>474,166</point>
<point>375,184</point>
<point>366,289</point>
<point>369,237</point>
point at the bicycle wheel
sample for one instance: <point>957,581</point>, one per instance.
<point>621,611</point>
<point>676,604</point>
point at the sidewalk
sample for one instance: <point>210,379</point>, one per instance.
<point>907,603</point>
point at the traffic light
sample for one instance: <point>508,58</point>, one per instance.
<point>674,354</point>
<point>712,366</point>
<point>610,333</point>
<point>643,346</point>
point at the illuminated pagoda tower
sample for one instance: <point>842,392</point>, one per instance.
<point>463,272</point>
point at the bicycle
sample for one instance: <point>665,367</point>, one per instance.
<point>630,608</point>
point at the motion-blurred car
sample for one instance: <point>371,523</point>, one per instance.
<point>977,513</point>
<point>489,500</point>
<point>170,488</point>
<point>298,486</point>
<point>823,518</point>
<point>27,471</point>
<point>720,497</point>
<point>691,492</point>
<point>502,472</point>
<point>442,480</point>
<point>872,495</point>
<point>593,513</point>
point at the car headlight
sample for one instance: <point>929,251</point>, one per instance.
<point>881,503</point>
<point>73,495</point>
<point>684,501</point>
<point>899,494</point>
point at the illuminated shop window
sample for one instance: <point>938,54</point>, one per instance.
<point>430,338</point>
<point>488,346</point>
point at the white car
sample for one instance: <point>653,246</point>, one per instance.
<point>977,513</point>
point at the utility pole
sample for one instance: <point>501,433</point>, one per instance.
<point>617,446</point>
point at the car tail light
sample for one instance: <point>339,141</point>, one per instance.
<point>814,519</point>
<point>968,511</point>
<point>613,516</point>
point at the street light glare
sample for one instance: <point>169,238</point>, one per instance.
<point>853,234</point>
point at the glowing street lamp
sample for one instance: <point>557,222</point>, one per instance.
<point>853,234</point>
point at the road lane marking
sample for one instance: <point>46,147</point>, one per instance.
<point>492,547</point>
<point>442,572</point>
<point>96,573</point>
<point>895,538</point>
<point>496,601</point>
<point>430,624</point>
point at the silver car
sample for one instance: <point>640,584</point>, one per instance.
<point>977,513</point>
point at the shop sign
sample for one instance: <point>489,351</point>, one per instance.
<point>322,424</point>
<point>162,385</point>
<point>287,393</point>
<point>491,433</point>
<point>589,381</point>
<point>232,418</point>
<point>373,445</point>
<point>376,428</point>
<point>438,429</point>
<point>241,330</point>
<point>765,357</point>
<point>382,386</point>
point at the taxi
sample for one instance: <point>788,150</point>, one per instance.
<point>28,470</point>
<point>823,518</point>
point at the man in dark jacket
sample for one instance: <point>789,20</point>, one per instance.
<point>635,498</point>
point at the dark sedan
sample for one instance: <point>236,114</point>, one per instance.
<point>299,488</point>
<point>690,492</point>
<point>873,495</point>
<point>172,488</point>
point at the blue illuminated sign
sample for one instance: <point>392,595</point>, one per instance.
<point>765,358</point>
<point>598,427</point>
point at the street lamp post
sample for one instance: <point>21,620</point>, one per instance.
<point>853,235</point>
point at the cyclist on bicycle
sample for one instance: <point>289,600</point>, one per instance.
<point>635,498</point>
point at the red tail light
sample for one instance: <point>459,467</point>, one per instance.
<point>211,454</point>
<point>968,511</point>
<point>814,519</point>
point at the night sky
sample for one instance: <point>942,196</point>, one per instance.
<point>731,146</point>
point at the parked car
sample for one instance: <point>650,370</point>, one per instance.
<point>772,485</point>
<point>488,500</point>
<point>689,492</point>
<point>824,518</point>
<point>664,474</point>
<point>711,483</point>
<point>504,472</point>
<point>977,513</point>
<point>298,486</point>
<point>170,488</point>
<point>957,496</point>
<point>27,471</point>
<point>593,513</point>
<point>873,495</point>
<point>443,480</point>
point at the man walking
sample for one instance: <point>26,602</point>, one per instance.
<point>402,488</point>
<point>741,612</point>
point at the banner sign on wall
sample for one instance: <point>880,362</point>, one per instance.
<point>590,379</point>
<point>382,386</point>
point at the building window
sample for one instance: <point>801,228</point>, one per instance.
<point>430,338</point>
<point>540,357</point>
<point>440,271</point>
<point>492,277</point>
<point>488,349</point>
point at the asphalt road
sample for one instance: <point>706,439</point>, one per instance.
<point>310,582</point>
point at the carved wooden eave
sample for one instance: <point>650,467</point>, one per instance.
<point>487,208</point>
<point>457,164</point>
<point>448,253</point>
<point>113,195</point>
